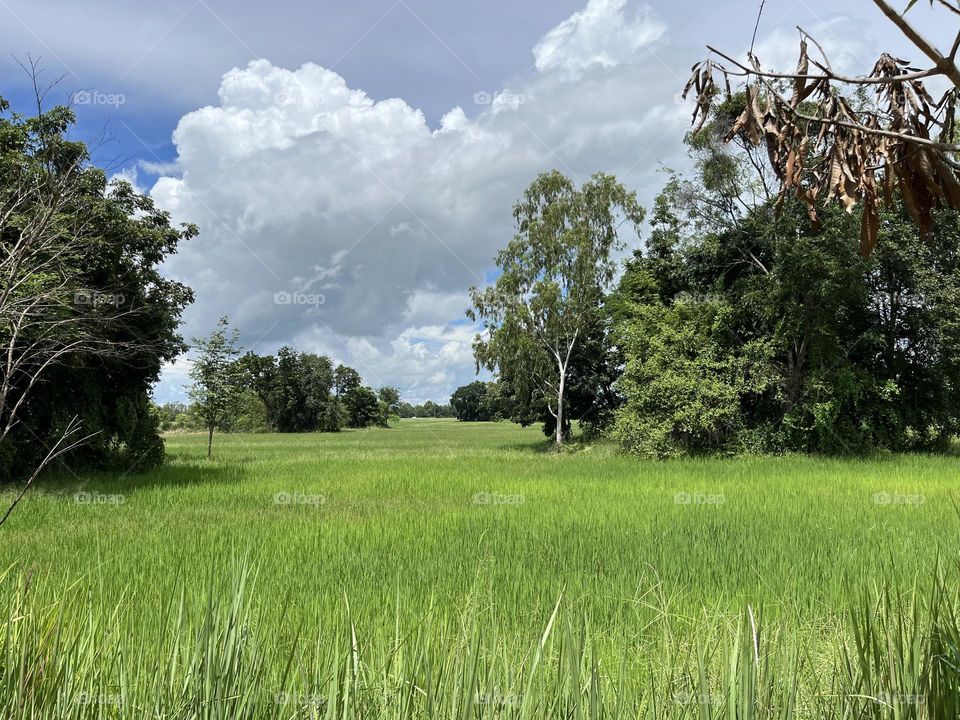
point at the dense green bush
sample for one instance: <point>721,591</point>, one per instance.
<point>685,380</point>
<point>768,334</point>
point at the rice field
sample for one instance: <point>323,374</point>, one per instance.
<point>449,570</point>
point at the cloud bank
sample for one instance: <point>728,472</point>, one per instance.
<point>340,223</point>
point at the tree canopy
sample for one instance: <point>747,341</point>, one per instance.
<point>748,327</point>
<point>86,318</point>
<point>547,299</point>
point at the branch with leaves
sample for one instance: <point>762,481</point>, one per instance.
<point>79,289</point>
<point>825,146</point>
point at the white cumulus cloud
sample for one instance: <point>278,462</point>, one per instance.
<point>376,223</point>
<point>605,33</point>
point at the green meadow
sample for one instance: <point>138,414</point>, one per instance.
<point>442,569</point>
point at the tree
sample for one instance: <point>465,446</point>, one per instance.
<point>823,143</point>
<point>390,396</point>
<point>549,294</point>
<point>470,402</point>
<point>249,414</point>
<point>297,389</point>
<point>755,330</point>
<point>363,407</point>
<point>429,409</point>
<point>477,402</point>
<point>86,319</point>
<point>345,379</point>
<point>216,383</point>
<point>302,389</point>
<point>258,374</point>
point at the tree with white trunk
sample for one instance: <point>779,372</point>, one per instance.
<point>552,279</point>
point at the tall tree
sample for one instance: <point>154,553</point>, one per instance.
<point>390,397</point>
<point>746,328</point>
<point>216,381</point>
<point>553,277</point>
<point>468,402</point>
<point>86,319</point>
<point>363,407</point>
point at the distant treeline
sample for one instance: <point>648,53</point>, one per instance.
<point>298,392</point>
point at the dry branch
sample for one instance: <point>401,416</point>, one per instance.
<point>822,148</point>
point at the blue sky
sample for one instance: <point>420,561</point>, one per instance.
<point>360,159</point>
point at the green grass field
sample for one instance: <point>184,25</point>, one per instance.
<point>440,569</point>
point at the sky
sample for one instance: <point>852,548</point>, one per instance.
<point>352,166</point>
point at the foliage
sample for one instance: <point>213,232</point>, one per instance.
<point>101,312</point>
<point>217,384</point>
<point>685,380</point>
<point>390,397</point>
<point>828,141</point>
<point>547,299</point>
<point>762,332</point>
<point>345,379</point>
<point>429,409</point>
<point>476,402</point>
<point>363,407</point>
<point>249,415</point>
<point>300,392</point>
<point>294,392</point>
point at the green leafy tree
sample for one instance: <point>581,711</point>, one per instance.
<point>363,407</point>
<point>747,326</point>
<point>495,405</point>
<point>296,389</point>
<point>345,379</point>
<point>390,396</point>
<point>469,402</point>
<point>86,318</point>
<point>249,414</point>
<point>258,374</point>
<point>217,384</point>
<point>549,295</point>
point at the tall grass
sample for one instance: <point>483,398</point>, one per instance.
<point>896,658</point>
<point>575,587</point>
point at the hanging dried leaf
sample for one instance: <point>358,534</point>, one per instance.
<point>803,67</point>
<point>844,149</point>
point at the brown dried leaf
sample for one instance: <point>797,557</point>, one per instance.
<point>869,227</point>
<point>803,66</point>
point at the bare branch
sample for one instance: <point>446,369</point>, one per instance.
<point>64,445</point>
<point>945,65</point>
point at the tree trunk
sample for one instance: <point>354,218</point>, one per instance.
<point>209,442</point>
<point>563,377</point>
